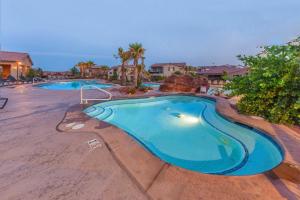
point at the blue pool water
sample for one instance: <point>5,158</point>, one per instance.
<point>72,85</point>
<point>153,85</point>
<point>187,132</point>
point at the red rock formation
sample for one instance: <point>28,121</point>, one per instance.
<point>183,83</point>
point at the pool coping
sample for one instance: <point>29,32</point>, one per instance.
<point>286,170</point>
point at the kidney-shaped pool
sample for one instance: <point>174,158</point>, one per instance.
<point>186,131</point>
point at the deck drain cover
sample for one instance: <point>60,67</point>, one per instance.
<point>70,124</point>
<point>93,144</point>
<point>78,126</point>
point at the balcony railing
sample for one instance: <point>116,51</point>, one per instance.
<point>155,72</point>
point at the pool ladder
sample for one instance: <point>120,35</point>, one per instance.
<point>34,80</point>
<point>85,100</point>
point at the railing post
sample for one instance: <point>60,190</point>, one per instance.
<point>81,95</point>
<point>82,100</point>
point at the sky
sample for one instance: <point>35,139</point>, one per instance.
<point>60,33</point>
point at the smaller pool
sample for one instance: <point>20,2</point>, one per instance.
<point>73,85</point>
<point>153,85</point>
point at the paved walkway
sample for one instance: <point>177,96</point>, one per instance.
<point>38,162</point>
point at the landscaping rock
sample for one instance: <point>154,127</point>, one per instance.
<point>183,83</point>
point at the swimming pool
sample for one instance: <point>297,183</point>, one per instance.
<point>187,132</point>
<point>153,85</point>
<point>73,85</point>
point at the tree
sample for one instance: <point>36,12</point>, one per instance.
<point>34,72</point>
<point>81,66</point>
<point>124,56</point>
<point>137,52</point>
<point>74,70</point>
<point>88,65</point>
<point>141,71</point>
<point>272,87</point>
<point>31,73</point>
<point>39,72</point>
<point>105,67</point>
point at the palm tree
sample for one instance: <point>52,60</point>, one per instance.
<point>141,71</point>
<point>125,56</point>
<point>89,64</point>
<point>81,66</point>
<point>137,52</point>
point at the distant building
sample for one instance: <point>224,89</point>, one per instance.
<point>295,42</point>
<point>215,74</point>
<point>14,64</point>
<point>167,69</point>
<point>117,71</point>
<point>97,71</point>
<point>57,75</point>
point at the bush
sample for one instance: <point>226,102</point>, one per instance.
<point>114,77</point>
<point>177,73</point>
<point>34,72</point>
<point>157,78</point>
<point>31,73</point>
<point>145,89</point>
<point>128,90</point>
<point>272,87</point>
<point>75,71</point>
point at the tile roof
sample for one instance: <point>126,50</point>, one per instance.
<point>183,64</point>
<point>126,66</point>
<point>220,70</point>
<point>98,66</point>
<point>6,56</point>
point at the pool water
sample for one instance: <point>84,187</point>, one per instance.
<point>187,132</point>
<point>73,85</point>
<point>153,85</point>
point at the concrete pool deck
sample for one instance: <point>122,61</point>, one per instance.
<point>40,161</point>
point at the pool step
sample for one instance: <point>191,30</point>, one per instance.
<point>97,111</point>
<point>108,112</point>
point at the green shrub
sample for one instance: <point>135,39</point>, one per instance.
<point>272,87</point>
<point>157,78</point>
<point>145,88</point>
<point>131,90</point>
<point>75,71</point>
<point>114,76</point>
<point>31,73</point>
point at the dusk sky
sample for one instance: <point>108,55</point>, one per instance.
<point>59,33</point>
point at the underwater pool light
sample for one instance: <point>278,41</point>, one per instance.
<point>189,119</point>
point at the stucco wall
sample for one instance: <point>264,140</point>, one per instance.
<point>13,69</point>
<point>168,70</point>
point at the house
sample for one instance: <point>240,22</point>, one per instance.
<point>97,71</point>
<point>167,69</point>
<point>14,64</point>
<point>215,74</point>
<point>57,75</point>
<point>295,42</point>
<point>117,72</point>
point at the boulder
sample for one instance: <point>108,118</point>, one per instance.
<point>183,83</point>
